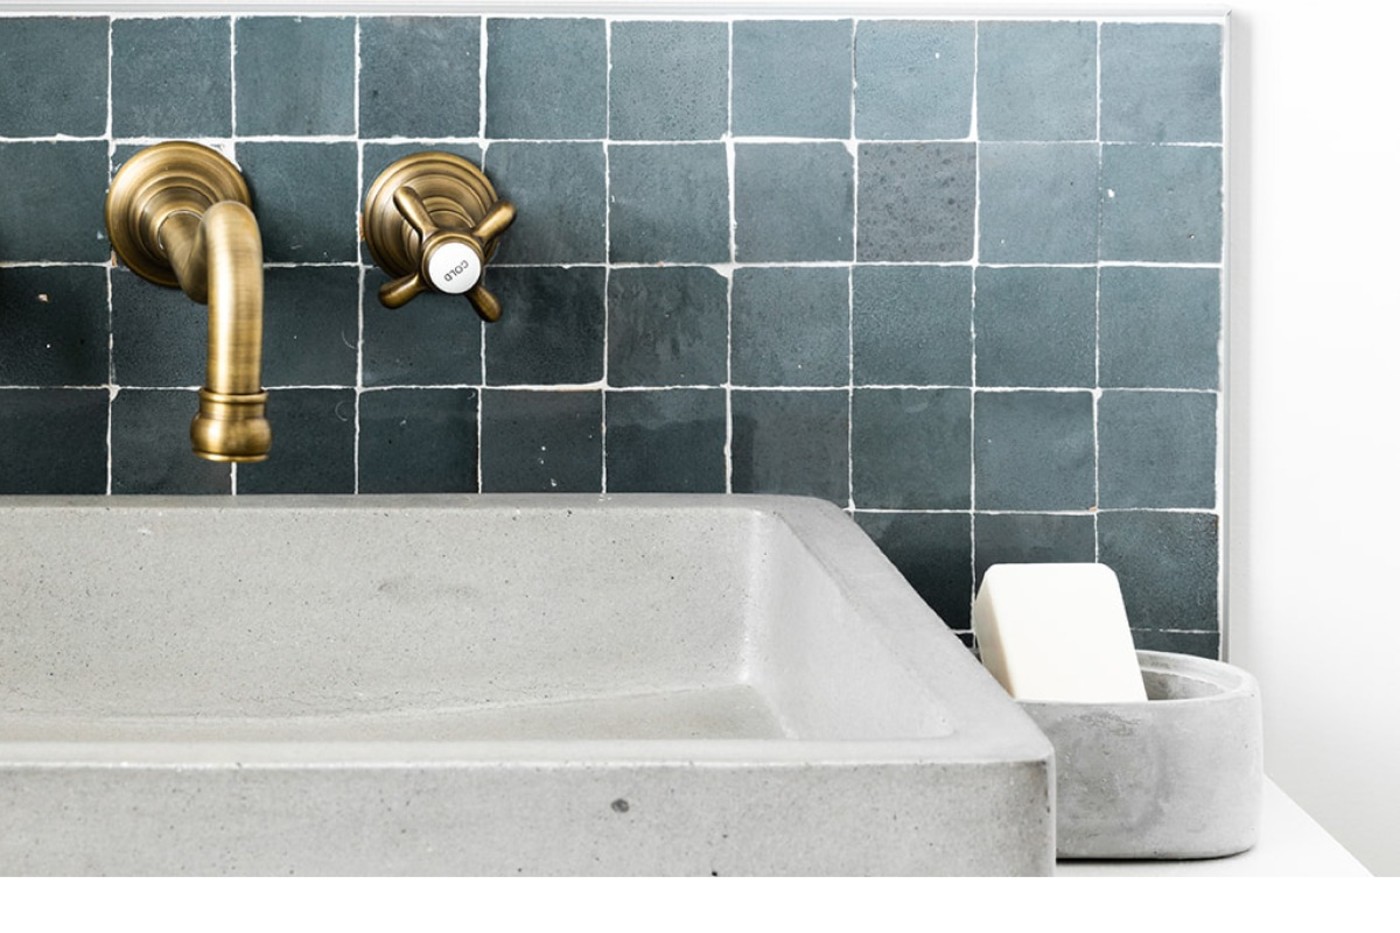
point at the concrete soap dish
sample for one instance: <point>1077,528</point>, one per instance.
<point>1177,777</point>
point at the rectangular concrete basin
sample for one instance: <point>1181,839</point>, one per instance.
<point>492,685</point>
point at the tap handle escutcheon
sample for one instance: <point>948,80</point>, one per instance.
<point>448,220</point>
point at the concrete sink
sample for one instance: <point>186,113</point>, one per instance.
<point>492,685</point>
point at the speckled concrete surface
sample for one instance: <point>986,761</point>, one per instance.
<point>1177,777</point>
<point>492,685</point>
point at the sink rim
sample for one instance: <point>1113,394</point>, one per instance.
<point>987,725</point>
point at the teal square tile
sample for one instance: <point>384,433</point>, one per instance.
<point>1159,328</point>
<point>669,80</point>
<point>917,202</point>
<point>793,202</point>
<point>1200,644</point>
<point>1168,565</point>
<point>151,453</point>
<point>305,197</point>
<point>1037,80</point>
<point>1034,450</point>
<point>1157,450</point>
<point>667,326</point>
<point>546,78</point>
<point>1162,82</point>
<point>294,76</point>
<point>1039,202</point>
<point>551,331</point>
<point>558,190</point>
<point>53,72</point>
<point>434,341</point>
<point>913,79</point>
<point>36,226</point>
<point>792,78</point>
<point>669,203</point>
<point>54,324</point>
<point>160,338</point>
<point>313,444</point>
<point>1036,326</point>
<point>911,325</point>
<point>420,76</point>
<point>791,443</point>
<point>310,326</point>
<point>541,441</point>
<point>53,441</point>
<point>934,553</point>
<point>1028,538</point>
<point>418,440</point>
<point>909,448</point>
<point>1162,203</point>
<point>170,77</point>
<point>790,327</point>
<point>666,441</point>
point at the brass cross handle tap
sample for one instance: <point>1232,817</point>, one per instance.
<point>432,220</point>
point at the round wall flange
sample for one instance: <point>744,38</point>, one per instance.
<point>156,182</point>
<point>456,193</point>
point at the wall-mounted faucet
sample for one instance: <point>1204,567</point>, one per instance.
<point>178,215</point>
<point>431,220</point>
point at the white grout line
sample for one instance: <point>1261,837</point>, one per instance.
<point>331,138</point>
<point>232,75</point>
<point>449,9</point>
<point>480,84</point>
<point>721,267</point>
<point>729,272</point>
<point>975,135</point>
<point>111,322</point>
<point>360,291</point>
<point>607,251</point>
<point>585,386</point>
<point>483,52</point>
<point>1098,278</point>
<point>1064,513</point>
<point>854,149</point>
<point>1222,408</point>
<point>232,154</point>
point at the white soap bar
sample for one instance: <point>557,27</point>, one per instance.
<point>1057,632</point>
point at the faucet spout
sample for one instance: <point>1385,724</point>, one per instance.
<point>178,215</point>
<point>217,259</point>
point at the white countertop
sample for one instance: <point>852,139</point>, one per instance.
<point>1291,844</point>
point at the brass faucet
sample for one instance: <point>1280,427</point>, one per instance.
<point>178,214</point>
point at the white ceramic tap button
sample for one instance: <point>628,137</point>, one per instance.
<point>454,268</point>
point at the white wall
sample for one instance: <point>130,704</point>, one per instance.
<point>1315,512</point>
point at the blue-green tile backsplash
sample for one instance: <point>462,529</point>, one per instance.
<point>962,278</point>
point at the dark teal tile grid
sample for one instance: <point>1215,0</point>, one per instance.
<point>960,277</point>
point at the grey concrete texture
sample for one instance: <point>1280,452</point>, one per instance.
<point>514,684</point>
<point>1178,777</point>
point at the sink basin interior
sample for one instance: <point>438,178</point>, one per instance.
<point>492,685</point>
<point>473,622</point>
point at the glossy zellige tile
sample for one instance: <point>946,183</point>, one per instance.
<point>170,77</point>
<point>666,441</point>
<point>913,79</point>
<point>53,441</point>
<point>669,80</point>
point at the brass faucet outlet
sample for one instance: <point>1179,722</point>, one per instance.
<point>432,220</point>
<point>179,215</point>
